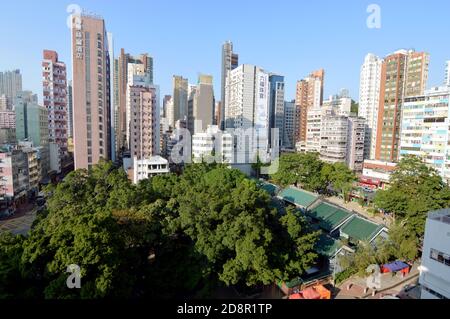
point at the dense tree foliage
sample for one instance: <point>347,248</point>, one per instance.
<point>307,171</point>
<point>415,190</point>
<point>166,237</point>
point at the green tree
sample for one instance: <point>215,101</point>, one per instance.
<point>342,179</point>
<point>301,169</point>
<point>415,190</point>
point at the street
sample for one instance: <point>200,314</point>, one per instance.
<point>19,224</point>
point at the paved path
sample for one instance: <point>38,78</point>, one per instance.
<point>356,207</point>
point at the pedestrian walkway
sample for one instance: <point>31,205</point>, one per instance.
<point>354,288</point>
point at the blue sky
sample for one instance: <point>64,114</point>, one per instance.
<point>291,37</point>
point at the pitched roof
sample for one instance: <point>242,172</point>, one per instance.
<point>330,217</point>
<point>327,246</point>
<point>299,197</point>
<point>361,229</point>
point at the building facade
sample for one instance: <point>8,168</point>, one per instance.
<point>213,145</point>
<point>289,125</point>
<point>31,119</point>
<point>403,74</point>
<point>91,91</point>
<point>149,167</point>
<point>355,141</point>
<point>55,98</point>
<point>309,94</point>
<point>247,111</point>
<point>14,180</point>
<point>180,98</point>
<point>10,84</point>
<point>276,120</point>
<point>143,113</point>
<point>424,129</point>
<point>369,100</point>
<point>230,61</point>
<point>201,105</point>
<point>435,268</point>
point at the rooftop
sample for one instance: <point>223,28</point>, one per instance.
<point>361,229</point>
<point>329,216</point>
<point>298,197</point>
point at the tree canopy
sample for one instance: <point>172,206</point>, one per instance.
<point>414,191</point>
<point>165,237</point>
<point>307,171</point>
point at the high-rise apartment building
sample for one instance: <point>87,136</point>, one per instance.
<point>247,107</point>
<point>424,129</point>
<point>313,129</point>
<point>55,98</point>
<point>120,90</point>
<point>289,125</point>
<point>309,94</point>
<point>201,105</point>
<point>276,114</point>
<point>10,84</point>
<point>369,100</point>
<point>91,91</point>
<point>230,61</point>
<point>142,113</point>
<point>31,119</point>
<point>342,140</point>
<point>180,98</point>
<point>404,74</point>
<point>355,143</point>
<point>212,145</point>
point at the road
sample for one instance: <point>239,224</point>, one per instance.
<point>20,225</point>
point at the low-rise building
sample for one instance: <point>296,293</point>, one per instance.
<point>435,269</point>
<point>376,174</point>
<point>149,167</point>
<point>14,177</point>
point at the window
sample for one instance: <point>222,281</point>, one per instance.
<point>440,257</point>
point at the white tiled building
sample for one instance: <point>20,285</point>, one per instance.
<point>213,141</point>
<point>369,100</point>
<point>435,268</point>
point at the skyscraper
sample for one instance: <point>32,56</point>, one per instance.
<point>247,107</point>
<point>230,61</point>
<point>404,74</point>
<point>10,84</point>
<point>55,98</point>
<point>201,105</point>
<point>91,90</point>
<point>424,131</point>
<point>289,125</point>
<point>309,94</point>
<point>180,98</point>
<point>120,91</point>
<point>69,110</point>
<point>369,100</point>
<point>276,106</point>
<point>142,113</point>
